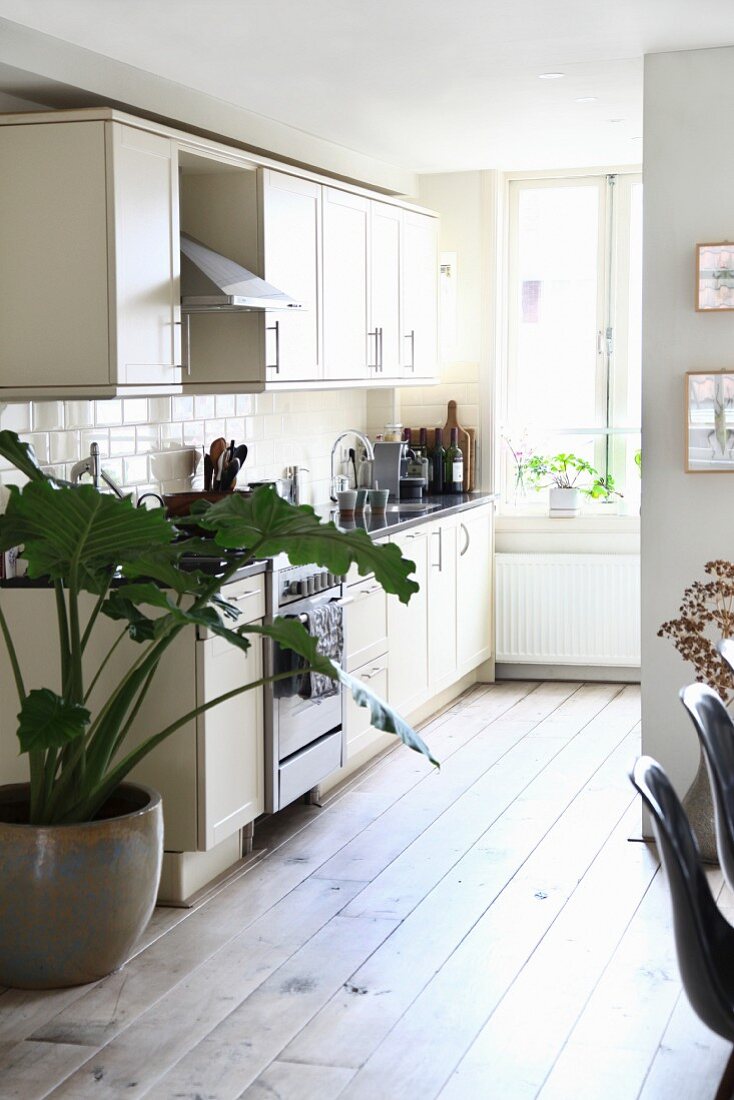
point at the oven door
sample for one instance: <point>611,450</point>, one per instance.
<point>300,720</point>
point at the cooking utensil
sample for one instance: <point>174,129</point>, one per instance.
<point>353,460</point>
<point>240,454</point>
<point>222,462</point>
<point>229,477</point>
<point>216,451</point>
<point>208,473</point>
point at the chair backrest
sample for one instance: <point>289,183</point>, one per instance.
<point>715,731</point>
<point>704,940</point>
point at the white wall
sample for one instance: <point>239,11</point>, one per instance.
<point>459,197</point>
<point>687,519</point>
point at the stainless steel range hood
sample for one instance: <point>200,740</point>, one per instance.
<point>210,283</point>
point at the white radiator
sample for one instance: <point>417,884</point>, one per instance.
<point>568,609</point>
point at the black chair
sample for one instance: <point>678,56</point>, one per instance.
<point>704,940</point>
<point>715,731</point>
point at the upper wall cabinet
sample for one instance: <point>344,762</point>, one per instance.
<point>89,283</point>
<point>92,205</point>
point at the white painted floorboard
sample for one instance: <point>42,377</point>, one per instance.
<point>484,932</point>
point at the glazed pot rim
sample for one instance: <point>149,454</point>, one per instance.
<point>154,800</point>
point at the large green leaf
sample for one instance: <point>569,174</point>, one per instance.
<point>22,456</point>
<point>46,721</point>
<point>266,523</point>
<point>67,528</point>
<point>383,717</point>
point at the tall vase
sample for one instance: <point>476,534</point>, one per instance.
<point>699,807</point>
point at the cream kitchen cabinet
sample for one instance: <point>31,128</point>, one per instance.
<point>291,227</point>
<point>363,740</point>
<point>474,578</point>
<point>407,628</point>
<point>365,622</point>
<point>385,290</point>
<point>346,225</point>
<point>89,287</point>
<point>442,604</point>
<point>420,295</point>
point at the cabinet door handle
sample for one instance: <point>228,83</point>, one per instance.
<point>276,329</point>
<point>380,358</point>
<point>411,336</point>
<point>439,564</point>
<point>186,330</point>
<point>376,365</point>
<point>468,540</point>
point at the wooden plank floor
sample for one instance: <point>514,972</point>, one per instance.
<point>483,932</point>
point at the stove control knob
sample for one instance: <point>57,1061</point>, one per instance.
<point>295,588</point>
<point>310,584</point>
<point>323,580</point>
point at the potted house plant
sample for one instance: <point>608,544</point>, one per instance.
<point>568,478</point>
<point>80,848</point>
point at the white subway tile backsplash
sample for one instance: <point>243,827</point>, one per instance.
<point>108,412</point>
<point>122,441</point>
<point>78,414</point>
<point>135,410</point>
<point>159,409</point>
<point>39,443</point>
<point>182,408</point>
<point>132,434</point>
<point>64,446</point>
<point>205,408</point>
<point>15,417</point>
<point>47,415</point>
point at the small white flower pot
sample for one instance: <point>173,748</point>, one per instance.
<point>564,502</point>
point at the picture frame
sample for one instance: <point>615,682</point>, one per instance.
<point>715,277</point>
<point>709,422</point>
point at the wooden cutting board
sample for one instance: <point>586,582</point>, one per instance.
<point>471,484</point>
<point>465,443</point>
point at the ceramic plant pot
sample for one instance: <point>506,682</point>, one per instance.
<point>75,898</point>
<point>699,806</point>
<point>564,502</point>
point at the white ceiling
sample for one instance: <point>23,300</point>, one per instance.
<point>430,85</point>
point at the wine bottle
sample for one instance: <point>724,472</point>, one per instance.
<point>453,481</point>
<point>438,460</point>
<point>423,442</point>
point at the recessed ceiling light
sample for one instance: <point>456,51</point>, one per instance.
<point>550,76</point>
<point>587,99</point>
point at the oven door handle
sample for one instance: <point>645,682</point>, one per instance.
<point>343,601</point>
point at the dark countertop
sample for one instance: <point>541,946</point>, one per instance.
<point>408,513</point>
<point>251,570</point>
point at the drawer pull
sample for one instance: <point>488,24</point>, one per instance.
<point>373,672</point>
<point>243,595</point>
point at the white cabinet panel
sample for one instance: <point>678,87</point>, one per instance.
<point>362,738</point>
<point>292,248</point>
<point>345,233</point>
<point>146,257</point>
<point>366,622</point>
<point>442,609</point>
<point>420,294</point>
<point>386,233</point>
<point>53,243</point>
<point>230,739</point>
<point>474,587</point>
<point>407,629</point>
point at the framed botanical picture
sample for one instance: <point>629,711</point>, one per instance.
<point>709,422</point>
<point>714,277</point>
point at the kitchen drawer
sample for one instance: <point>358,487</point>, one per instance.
<point>249,596</point>
<point>306,769</point>
<point>366,622</point>
<point>361,736</point>
<point>353,575</point>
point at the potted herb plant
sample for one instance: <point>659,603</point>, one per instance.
<point>81,848</point>
<point>568,478</point>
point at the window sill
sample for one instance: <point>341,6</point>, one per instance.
<point>588,524</point>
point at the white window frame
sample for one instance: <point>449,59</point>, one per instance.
<point>612,427</point>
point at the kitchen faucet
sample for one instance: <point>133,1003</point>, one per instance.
<point>93,467</point>
<point>342,435</point>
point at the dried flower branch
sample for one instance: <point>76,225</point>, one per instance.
<point>706,615</point>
